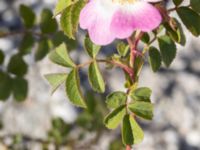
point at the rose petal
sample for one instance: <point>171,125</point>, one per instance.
<point>87,15</point>
<point>146,16</point>
<point>122,24</point>
<point>96,16</point>
<point>139,15</point>
<point>99,32</point>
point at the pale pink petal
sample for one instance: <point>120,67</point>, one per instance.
<point>100,32</point>
<point>87,15</point>
<point>140,15</point>
<point>146,16</point>
<point>96,16</point>
<point>122,24</point>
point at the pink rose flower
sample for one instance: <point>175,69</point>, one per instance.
<point>107,20</point>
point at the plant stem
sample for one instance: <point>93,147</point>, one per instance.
<point>133,47</point>
<point>118,64</point>
<point>22,32</point>
<point>128,147</point>
<point>85,64</point>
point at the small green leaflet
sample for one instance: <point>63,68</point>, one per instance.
<point>17,65</point>
<point>55,80</point>
<point>190,19</point>
<point>42,49</point>
<point>59,38</point>
<point>131,131</point>
<point>27,15</point>
<point>141,94</point>
<point>95,78</point>
<point>73,89</point>
<point>154,59</point>
<point>2,57</point>
<point>181,35</point>
<point>113,119</point>
<point>61,57</point>
<point>5,86</point>
<point>26,44</point>
<point>61,5</point>
<point>122,49</point>
<point>145,38</point>
<point>48,24</point>
<point>175,31</point>
<point>177,2</point>
<point>116,99</point>
<point>167,49</point>
<point>142,109</point>
<point>195,4</point>
<point>139,61</point>
<point>70,18</point>
<point>91,48</point>
<point>20,89</point>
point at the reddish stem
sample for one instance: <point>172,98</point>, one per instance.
<point>133,48</point>
<point>128,147</point>
<point>125,67</point>
<point>121,65</point>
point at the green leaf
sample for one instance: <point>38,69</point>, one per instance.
<point>180,33</point>
<point>17,65</point>
<point>5,86</point>
<point>20,88</point>
<point>91,102</point>
<point>113,119</point>
<point>1,57</point>
<point>116,99</point>
<point>73,89</point>
<point>145,38</point>
<point>66,23</point>
<point>138,63</point>
<point>175,31</point>
<point>76,9</point>
<point>122,49</point>
<point>195,4</point>
<point>168,49</point>
<point>61,57</point>
<point>28,16</point>
<point>55,80</point>
<point>177,2</point>
<point>171,32</point>
<point>142,109</point>
<point>141,94</point>
<point>61,5</point>
<point>191,19</point>
<point>70,18</point>
<point>42,49</point>
<point>154,58</point>
<point>95,78</point>
<point>26,44</point>
<point>91,48</point>
<point>131,131</point>
<point>60,37</point>
<point>48,24</point>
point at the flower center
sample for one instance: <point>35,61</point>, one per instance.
<point>124,1</point>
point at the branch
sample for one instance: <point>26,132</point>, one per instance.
<point>22,32</point>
